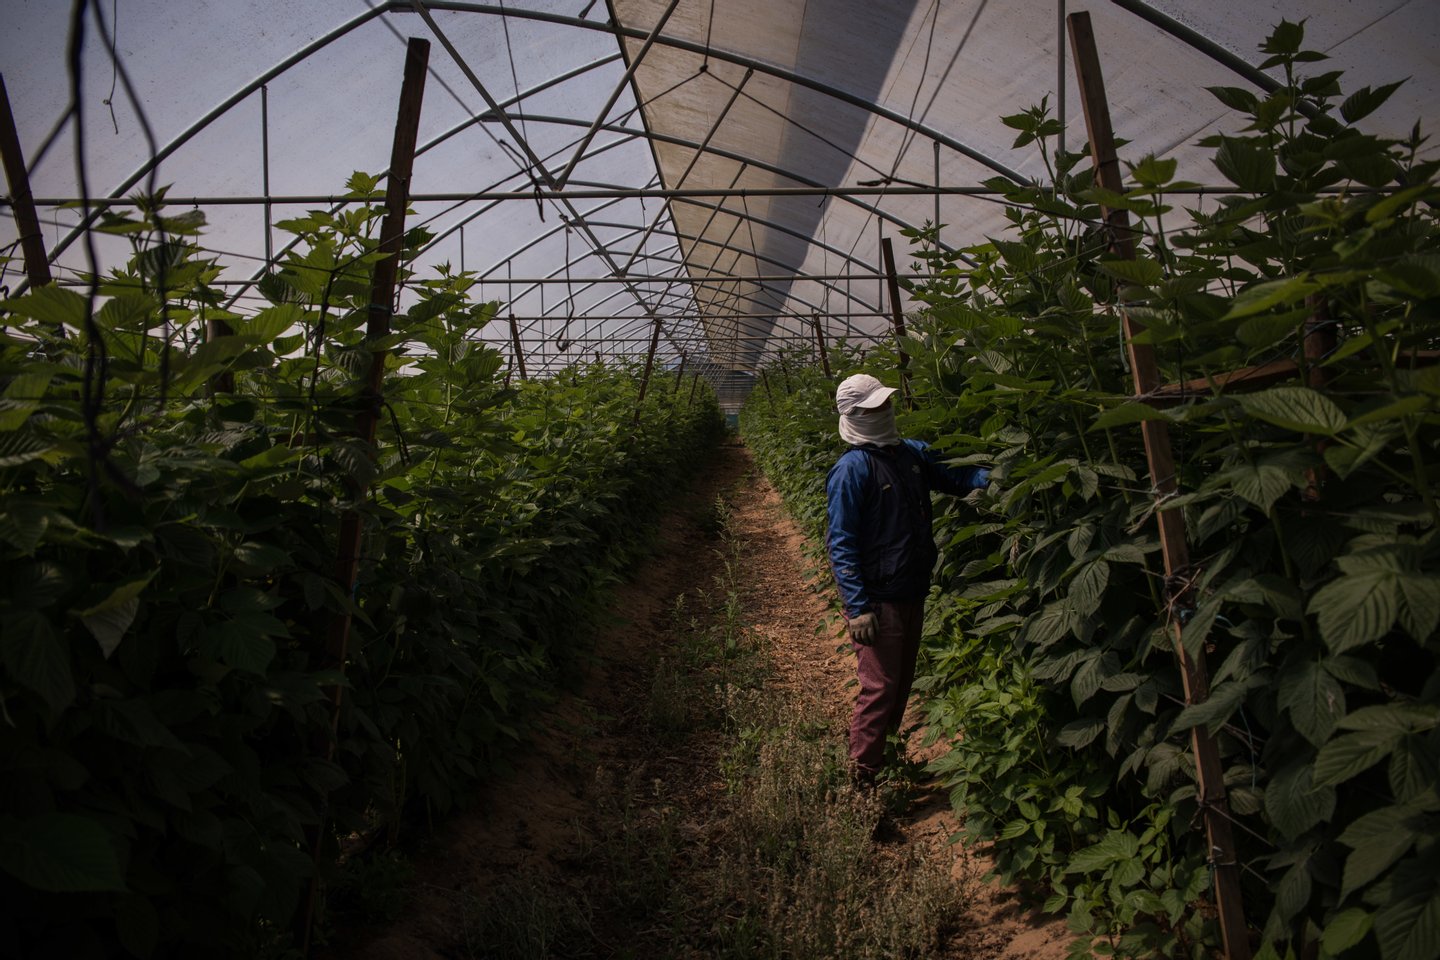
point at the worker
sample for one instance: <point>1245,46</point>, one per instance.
<point>882,552</point>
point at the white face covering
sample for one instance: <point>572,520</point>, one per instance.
<point>877,427</point>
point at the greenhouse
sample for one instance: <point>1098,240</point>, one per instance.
<point>445,447</point>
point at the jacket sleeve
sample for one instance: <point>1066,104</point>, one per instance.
<point>947,479</point>
<point>844,488</point>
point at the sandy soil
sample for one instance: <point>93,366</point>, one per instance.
<point>590,756</point>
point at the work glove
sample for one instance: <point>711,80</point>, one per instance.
<point>864,629</point>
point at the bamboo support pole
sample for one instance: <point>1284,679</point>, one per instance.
<point>1209,773</point>
<point>22,202</point>
<point>897,319</point>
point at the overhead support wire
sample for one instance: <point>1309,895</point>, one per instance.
<point>614,95</point>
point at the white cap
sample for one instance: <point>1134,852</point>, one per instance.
<point>861,392</point>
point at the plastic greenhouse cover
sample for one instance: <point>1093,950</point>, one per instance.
<point>246,99</point>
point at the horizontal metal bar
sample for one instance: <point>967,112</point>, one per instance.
<point>531,196</point>
<point>619,193</point>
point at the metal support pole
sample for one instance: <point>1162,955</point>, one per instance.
<point>1209,774</point>
<point>695,385</point>
<point>897,319</point>
<point>265,169</point>
<point>32,241</point>
<point>937,193</point>
<point>680,374</point>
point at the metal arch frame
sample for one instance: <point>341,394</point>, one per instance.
<point>780,73</point>
<point>403,6</point>
<point>845,257</point>
<point>1139,9</point>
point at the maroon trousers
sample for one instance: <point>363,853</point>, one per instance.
<point>886,668</point>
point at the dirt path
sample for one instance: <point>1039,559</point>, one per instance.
<point>611,837</point>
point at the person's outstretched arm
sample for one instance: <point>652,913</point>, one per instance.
<point>950,479</point>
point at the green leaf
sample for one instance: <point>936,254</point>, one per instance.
<point>1352,754</point>
<point>1118,845</point>
<point>240,646</point>
<point>38,658</point>
<point>1261,485</point>
<point>1399,200</point>
<point>1356,608</point>
<point>1296,408</point>
<point>1420,614</point>
<point>1246,164</point>
<point>137,924</point>
<point>1410,929</point>
<point>108,620</point>
<point>1236,98</point>
<point>1366,101</point>
<point>1315,700</point>
<point>59,853</point>
<point>1141,270</point>
<point>1261,297</point>
<point>1294,804</point>
<point>51,304</point>
<point>1080,733</point>
<point>1132,412</point>
<point>1377,840</point>
<point>1345,930</point>
<point>271,322</point>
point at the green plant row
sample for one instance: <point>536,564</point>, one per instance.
<point>169,529</point>
<point>1310,513</point>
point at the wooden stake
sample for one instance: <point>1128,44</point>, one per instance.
<point>1209,774</point>
<point>680,374</point>
<point>516,355</point>
<point>22,203</point>
<point>694,385</point>
<point>820,345</point>
<point>892,284</point>
<point>785,372</point>
<point>765,382</point>
<point>649,365</point>
<point>382,300</point>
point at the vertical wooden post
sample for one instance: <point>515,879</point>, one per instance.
<point>897,319</point>
<point>22,202</point>
<point>1209,774</point>
<point>765,381</point>
<point>517,357</point>
<point>820,345</point>
<point>382,300</point>
<point>649,365</point>
<point>680,374</point>
<point>1318,343</point>
<point>694,385</point>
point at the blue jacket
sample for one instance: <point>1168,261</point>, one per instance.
<point>880,540</point>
